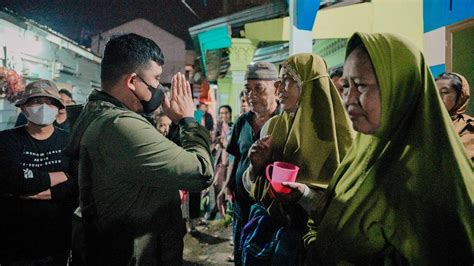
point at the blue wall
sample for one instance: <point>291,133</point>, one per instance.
<point>437,13</point>
<point>437,69</point>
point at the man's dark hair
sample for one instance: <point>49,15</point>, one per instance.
<point>455,80</point>
<point>64,91</point>
<point>127,54</point>
<point>336,73</point>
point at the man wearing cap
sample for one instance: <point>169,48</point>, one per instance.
<point>37,187</point>
<point>61,120</point>
<point>130,174</point>
<point>262,97</point>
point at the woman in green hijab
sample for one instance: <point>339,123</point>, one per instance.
<point>404,193</point>
<point>313,132</point>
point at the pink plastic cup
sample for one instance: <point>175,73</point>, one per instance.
<point>282,172</point>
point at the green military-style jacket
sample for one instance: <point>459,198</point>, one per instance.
<point>129,177</point>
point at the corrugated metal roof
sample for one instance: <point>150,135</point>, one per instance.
<point>275,53</point>
<point>276,9</point>
<point>263,12</point>
<point>327,49</point>
<point>52,36</point>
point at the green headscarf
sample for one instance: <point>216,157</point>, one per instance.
<point>406,193</point>
<point>318,136</point>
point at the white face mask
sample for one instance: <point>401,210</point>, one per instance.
<point>41,114</point>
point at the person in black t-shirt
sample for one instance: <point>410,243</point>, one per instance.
<point>37,197</point>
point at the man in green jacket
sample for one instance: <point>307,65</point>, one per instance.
<point>130,174</point>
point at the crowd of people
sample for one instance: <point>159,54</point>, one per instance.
<point>384,153</point>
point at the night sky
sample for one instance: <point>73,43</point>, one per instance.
<point>81,19</point>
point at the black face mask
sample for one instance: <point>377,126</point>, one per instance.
<point>156,100</point>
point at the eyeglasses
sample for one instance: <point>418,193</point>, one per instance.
<point>284,79</point>
<point>281,82</point>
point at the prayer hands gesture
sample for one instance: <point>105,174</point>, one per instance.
<point>180,104</point>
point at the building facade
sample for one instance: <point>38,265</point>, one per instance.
<point>37,52</point>
<point>173,47</point>
<point>442,29</point>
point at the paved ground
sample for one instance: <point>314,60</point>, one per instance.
<point>211,247</point>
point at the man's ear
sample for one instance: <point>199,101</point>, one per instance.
<point>23,109</point>
<point>130,80</point>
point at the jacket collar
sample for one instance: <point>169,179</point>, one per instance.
<point>102,96</point>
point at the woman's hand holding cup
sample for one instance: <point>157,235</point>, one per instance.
<point>297,190</point>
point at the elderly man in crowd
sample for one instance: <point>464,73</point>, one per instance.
<point>262,97</point>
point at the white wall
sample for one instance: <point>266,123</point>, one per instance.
<point>33,52</point>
